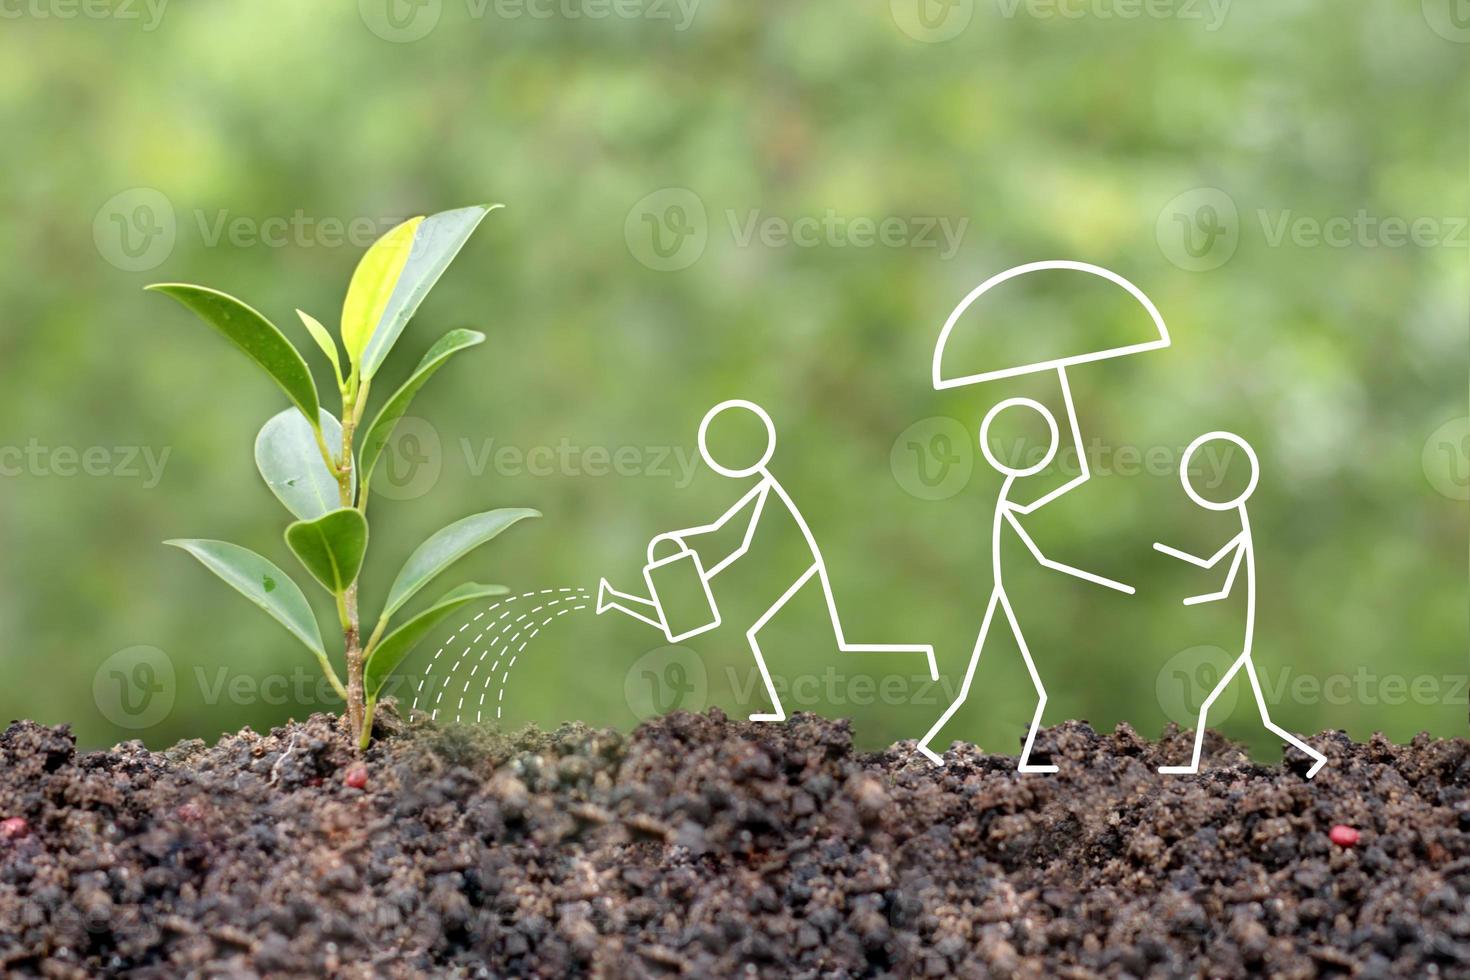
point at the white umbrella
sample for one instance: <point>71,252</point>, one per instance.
<point>1159,336</point>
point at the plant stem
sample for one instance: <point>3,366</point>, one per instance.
<point>354,668</point>
<point>347,603</point>
<point>332,677</point>
<point>367,724</point>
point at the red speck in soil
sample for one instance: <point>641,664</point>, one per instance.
<point>1343,836</point>
<point>190,812</point>
<point>356,777</point>
<point>13,827</point>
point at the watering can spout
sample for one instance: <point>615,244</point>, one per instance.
<point>609,598</point>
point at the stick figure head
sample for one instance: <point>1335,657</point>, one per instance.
<point>1032,405</point>
<point>750,468</point>
<point>1235,440</point>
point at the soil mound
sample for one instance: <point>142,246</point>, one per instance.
<point>709,847</point>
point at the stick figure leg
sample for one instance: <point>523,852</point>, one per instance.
<point>779,713</point>
<point>1204,709</point>
<point>1025,764</point>
<point>964,688</point>
<point>1250,669</point>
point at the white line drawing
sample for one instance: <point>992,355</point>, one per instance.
<point>1241,550</point>
<point>656,569</point>
<point>941,382</point>
<point>558,596</point>
<point>1009,512</point>
<point>755,499</point>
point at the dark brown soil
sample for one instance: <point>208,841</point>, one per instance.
<point>708,847</point>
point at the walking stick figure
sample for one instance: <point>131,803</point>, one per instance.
<point>1242,552</point>
<point>1007,513</point>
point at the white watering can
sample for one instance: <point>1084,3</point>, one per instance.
<point>677,575</point>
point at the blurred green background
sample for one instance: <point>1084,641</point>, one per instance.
<point>695,195</point>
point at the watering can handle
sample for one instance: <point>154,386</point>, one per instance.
<point>653,546</point>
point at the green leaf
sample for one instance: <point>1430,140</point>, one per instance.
<point>253,334</point>
<point>388,654</point>
<point>262,583</point>
<point>325,342</point>
<point>381,429</point>
<point>331,547</point>
<point>372,286</point>
<point>447,546</point>
<point>437,242</point>
<point>290,461</point>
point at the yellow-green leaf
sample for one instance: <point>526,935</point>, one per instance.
<point>372,286</point>
<point>324,341</point>
<point>436,243</point>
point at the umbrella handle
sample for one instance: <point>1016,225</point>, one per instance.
<point>1076,430</point>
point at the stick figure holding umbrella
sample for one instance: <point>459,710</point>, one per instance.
<point>1008,513</point>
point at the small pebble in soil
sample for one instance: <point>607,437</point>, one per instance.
<point>1343,836</point>
<point>356,777</point>
<point>14,827</point>
<point>189,812</point>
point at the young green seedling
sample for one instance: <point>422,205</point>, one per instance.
<point>310,460</point>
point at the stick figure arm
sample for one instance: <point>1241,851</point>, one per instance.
<point>759,494</point>
<point>1224,592</point>
<point>1057,566</point>
<point>1080,478</point>
<point>1210,562</point>
<point>718,523</point>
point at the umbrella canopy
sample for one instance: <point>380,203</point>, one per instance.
<point>1155,333</point>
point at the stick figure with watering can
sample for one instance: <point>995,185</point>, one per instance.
<point>674,567</point>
